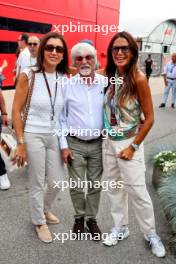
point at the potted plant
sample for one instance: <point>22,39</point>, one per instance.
<point>164,163</point>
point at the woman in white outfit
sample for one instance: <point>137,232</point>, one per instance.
<point>123,154</point>
<point>37,141</point>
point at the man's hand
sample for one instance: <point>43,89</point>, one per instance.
<point>66,154</point>
<point>165,82</point>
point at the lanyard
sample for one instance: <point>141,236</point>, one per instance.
<point>52,103</point>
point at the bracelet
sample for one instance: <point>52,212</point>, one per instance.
<point>20,140</point>
<point>135,146</point>
<point>4,114</point>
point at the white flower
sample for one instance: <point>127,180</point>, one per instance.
<point>166,160</point>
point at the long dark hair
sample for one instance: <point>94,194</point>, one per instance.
<point>129,85</point>
<point>62,67</point>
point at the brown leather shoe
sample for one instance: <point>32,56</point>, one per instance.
<point>43,233</point>
<point>51,218</point>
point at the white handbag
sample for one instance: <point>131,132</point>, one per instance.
<point>7,150</point>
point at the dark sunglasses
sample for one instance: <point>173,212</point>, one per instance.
<point>51,48</point>
<point>32,44</point>
<point>124,49</point>
<point>87,57</point>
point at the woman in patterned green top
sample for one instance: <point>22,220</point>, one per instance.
<point>128,117</point>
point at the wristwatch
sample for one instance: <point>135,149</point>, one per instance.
<point>135,146</point>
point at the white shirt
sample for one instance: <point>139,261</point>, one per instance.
<point>170,70</point>
<point>40,111</point>
<point>83,108</point>
<point>24,60</point>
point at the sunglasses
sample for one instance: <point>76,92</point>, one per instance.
<point>87,57</point>
<point>51,48</point>
<point>33,44</point>
<point>124,49</point>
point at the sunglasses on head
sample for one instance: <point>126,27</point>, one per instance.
<point>87,57</point>
<point>32,44</point>
<point>51,48</point>
<point>124,49</point>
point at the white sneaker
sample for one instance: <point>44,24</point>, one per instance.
<point>156,245</point>
<point>4,182</point>
<point>116,235</point>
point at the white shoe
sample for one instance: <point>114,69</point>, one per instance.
<point>116,235</point>
<point>156,244</point>
<point>4,182</point>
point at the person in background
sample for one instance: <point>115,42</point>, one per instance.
<point>4,181</point>
<point>37,142</point>
<point>2,67</point>
<point>148,66</point>
<point>25,59</point>
<point>170,81</point>
<point>33,45</point>
<point>24,55</point>
<point>123,152</point>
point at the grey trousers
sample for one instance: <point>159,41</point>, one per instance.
<point>44,167</point>
<point>87,165</point>
<point>132,173</point>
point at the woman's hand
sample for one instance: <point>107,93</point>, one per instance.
<point>126,153</point>
<point>66,155</point>
<point>20,156</point>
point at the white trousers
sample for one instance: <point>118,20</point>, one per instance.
<point>132,173</point>
<point>44,167</point>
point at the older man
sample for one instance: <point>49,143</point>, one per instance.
<point>170,81</point>
<point>82,149</point>
<point>33,45</point>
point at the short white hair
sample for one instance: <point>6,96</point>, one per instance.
<point>82,49</point>
<point>34,38</point>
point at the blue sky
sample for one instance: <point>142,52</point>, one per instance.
<point>140,16</point>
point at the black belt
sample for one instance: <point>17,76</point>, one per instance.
<point>171,78</point>
<point>93,140</point>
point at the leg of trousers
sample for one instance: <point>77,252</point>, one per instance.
<point>44,168</point>
<point>173,87</point>
<point>87,167</point>
<point>2,167</point>
<point>94,174</point>
<point>174,92</point>
<point>166,92</point>
<point>118,197</point>
<point>132,173</point>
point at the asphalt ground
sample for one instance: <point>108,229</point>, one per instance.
<point>20,245</point>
